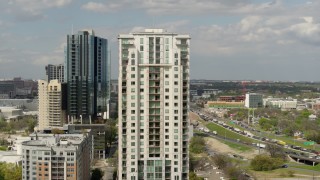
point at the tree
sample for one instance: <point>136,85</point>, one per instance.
<point>263,162</point>
<point>57,131</point>
<point>193,176</point>
<point>10,171</point>
<point>235,173</point>
<point>276,151</point>
<point>197,145</point>
<point>111,132</point>
<point>31,124</point>
<point>97,174</point>
<point>221,160</point>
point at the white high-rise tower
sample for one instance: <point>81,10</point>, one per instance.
<point>153,105</point>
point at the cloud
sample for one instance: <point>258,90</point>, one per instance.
<point>32,10</point>
<point>100,7</point>
<point>166,7</point>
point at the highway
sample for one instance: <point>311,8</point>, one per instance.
<point>295,154</point>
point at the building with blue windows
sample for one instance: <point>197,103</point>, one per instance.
<point>87,74</point>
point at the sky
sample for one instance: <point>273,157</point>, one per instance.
<point>230,39</point>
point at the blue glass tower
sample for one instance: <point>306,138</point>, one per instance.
<point>87,73</point>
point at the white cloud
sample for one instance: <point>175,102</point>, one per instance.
<point>34,5</point>
<point>31,10</point>
<point>183,6</point>
<point>100,7</point>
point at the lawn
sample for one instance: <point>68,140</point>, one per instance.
<point>227,133</point>
<point>3,148</point>
<point>237,146</point>
<point>304,166</point>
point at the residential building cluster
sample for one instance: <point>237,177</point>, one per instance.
<point>74,100</point>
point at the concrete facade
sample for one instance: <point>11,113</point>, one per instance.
<point>153,105</point>
<point>60,157</point>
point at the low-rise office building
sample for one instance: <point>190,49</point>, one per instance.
<point>253,100</point>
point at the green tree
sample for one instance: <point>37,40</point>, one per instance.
<point>31,124</point>
<point>10,171</point>
<point>111,132</point>
<point>97,174</point>
<point>193,176</point>
<point>57,131</point>
<point>263,162</point>
<point>276,151</point>
<point>197,145</point>
<point>221,161</point>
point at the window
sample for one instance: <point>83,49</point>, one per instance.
<point>141,40</point>
<point>176,90</point>
<point>175,68</point>
<point>167,40</point>
<point>133,111</point>
<point>132,55</point>
<point>167,90</point>
<point>166,117</point>
<point>141,111</point>
<point>141,48</point>
<point>133,90</point>
<point>175,117</point>
<point>175,104</point>
<point>166,124</point>
<point>133,97</point>
<point>141,75</point>
<point>166,137</point>
<point>133,68</point>
<point>175,55</point>
<point>141,90</point>
<point>166,130</point>
<point>133,75</point>
<point>167,143</point>
<point>166,83</point>
<point>176,111</point>
<point>166,104</point>
<point>133,104</point>
<point>176,76</point>
<point>175,130</point>
<point>166,97</point>
<point>176,83</point>
<point>133,137</point>
<point>133,144</point>
<point>166,76</point>
<point>132,156</point>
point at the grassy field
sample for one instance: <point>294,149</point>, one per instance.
<point>3,148</point>
<point>236,146</point>
<point>303,166</point>
<point>227,133</point>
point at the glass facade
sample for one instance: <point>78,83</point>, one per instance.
<point>87,72</point>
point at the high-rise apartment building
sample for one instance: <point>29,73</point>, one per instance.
<point>43,109</point>
<point>51,112</point>
<point>60,157</point>
<point>153,105</point>
<point>87,73</point>
<point>55,72</point>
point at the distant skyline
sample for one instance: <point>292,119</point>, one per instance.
<point>231,39</point>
